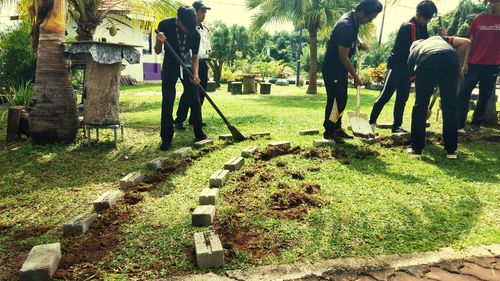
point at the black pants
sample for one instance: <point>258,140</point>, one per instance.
<point>182,109</point>
<point>444,74</point>
<point>396,79</point>
<point>169,79</point>
<point>486,75</point>
<point>336,93</point>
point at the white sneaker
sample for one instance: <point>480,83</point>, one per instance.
<point>452,155</point>
<point>461,131</point>
<point>373,126</point>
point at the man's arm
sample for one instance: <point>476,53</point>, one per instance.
<point>465,66</point>
<point>195,62</point>
<point>160,38</point>
<point>346,61</point>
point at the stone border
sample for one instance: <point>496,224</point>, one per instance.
<point>343,265</point>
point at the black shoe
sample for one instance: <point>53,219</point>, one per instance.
<point>165,146</point>
<point>399,130</point>
<point>334,137</point>
<point>343,134</point>
<point>200,138</point>
<point>179,126</point>
<point>414,153</point>
<point>475,128</point>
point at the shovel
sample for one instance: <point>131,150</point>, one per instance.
<point>360,126</point>
<point>237,135</point>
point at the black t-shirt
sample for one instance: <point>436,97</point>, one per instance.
<point>406,35</point>
<point>177,39</point>
<point>345,34</point>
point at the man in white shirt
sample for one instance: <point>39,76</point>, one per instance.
<point>204,51</point>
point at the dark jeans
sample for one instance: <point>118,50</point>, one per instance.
<point>486,75</point>
<point>444,74</point>
<point>397,79</point>
<point>336,92</point>
<point>182,109</point>
<point>169,79</point>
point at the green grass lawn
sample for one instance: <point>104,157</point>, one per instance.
<point>384,203</point>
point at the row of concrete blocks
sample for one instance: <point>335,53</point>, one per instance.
<point>229,137</point>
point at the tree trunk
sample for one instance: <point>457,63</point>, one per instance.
<point>53,113</point>
<point>313,69</point>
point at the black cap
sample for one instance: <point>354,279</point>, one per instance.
<point>198,5</point>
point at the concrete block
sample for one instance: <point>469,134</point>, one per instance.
<point>280,144</point>
<point>209,196</point>
<point>41,263</point>
<point>384,126</point>
<point>209,254</point>
<point>249,151</point>
<point>370,140</point>
<point>203,143</point>
<point>323,143</point>
<point>131,180</point>
<point>203,215</point>
<point>182,152</point>
<point>309,132</point>
<point>227,137</point>
<point>107,200</point>
<point>155,164</point>
<point>79,224</point>
<point>260,134</point>
<point>234,164</point>
<point>218,178</point>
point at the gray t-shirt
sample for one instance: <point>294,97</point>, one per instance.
<point>425,53</point>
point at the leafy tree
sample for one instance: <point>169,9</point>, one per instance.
<point>458,21</point>
<point>312,15</point>
<point>378,54</point>
<point>17,61</point>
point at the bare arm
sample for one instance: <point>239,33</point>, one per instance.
<point>346,61</point>
<point>195,63</point>
<point>160,38</point>
<point>465,66</point>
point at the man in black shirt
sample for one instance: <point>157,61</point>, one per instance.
<point>433,61</point>
<point>180,33</point>
<point>337,63</point>
<point>397,76</point>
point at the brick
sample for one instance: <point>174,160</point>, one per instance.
<point>493,249</point>
<point>41,263</point>
<point>155,164</point>
<point>309,132</point>
<point>234,164</point>
<point>280,144</point>
<point>131,180</point>
<point>209,196</point>
<point>384,126</point>
<point>441,274</point>
<point>226,137</point>
<point>370,140</point>
<point>260,134</point>
<point>203,215</point>
<point>203,143</point>
<point>248,151</point>
<point>487,274</point>
<point>416,271</point>
<point>381,275</point>
<point>484,262</point>
<point>452,266</point>
<point>219,178</point>
<point>209,254</point>
<point>107,200</point>
<point>79,224</point>
<point>402,276</point>
<point>322,142</point>
<point>182,152</point>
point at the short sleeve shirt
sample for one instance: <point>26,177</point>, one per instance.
<point>485,47</point>
<point>184,44</point>
<point>344,34</point>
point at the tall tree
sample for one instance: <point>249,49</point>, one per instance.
<point>312,15</point>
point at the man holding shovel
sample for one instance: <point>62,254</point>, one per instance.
<point>337,63</point>
<point>397,76</point>
<point>181,34</point>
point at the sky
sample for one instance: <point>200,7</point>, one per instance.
<point>235,12</point>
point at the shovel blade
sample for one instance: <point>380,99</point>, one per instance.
<point>360,125</point>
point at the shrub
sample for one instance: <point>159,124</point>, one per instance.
<point>227,74</point>
<point>21,95</point>
<point>17,61</point>
<point>378,73</point>
<point>268,69</point>
<point>366,76</point>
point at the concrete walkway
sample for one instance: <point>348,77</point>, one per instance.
<point>472,264</point>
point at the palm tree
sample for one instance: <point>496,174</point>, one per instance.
<point>53,113</point>
<point>314,15</point>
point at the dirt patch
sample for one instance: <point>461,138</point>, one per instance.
<point>311,188</point>
<point>364,152</point>
<point>247,174</point>
<point>27,232</point>
<point>265,177</point>
<point>273,152</point>
<point>314,169</point>
<point>316,154</point>
<point>296,175</point>
<point>132,198</point>
<point>280,164</point>
<point>87,251</point>
<point>341,155</point>
<point>291,204</point>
